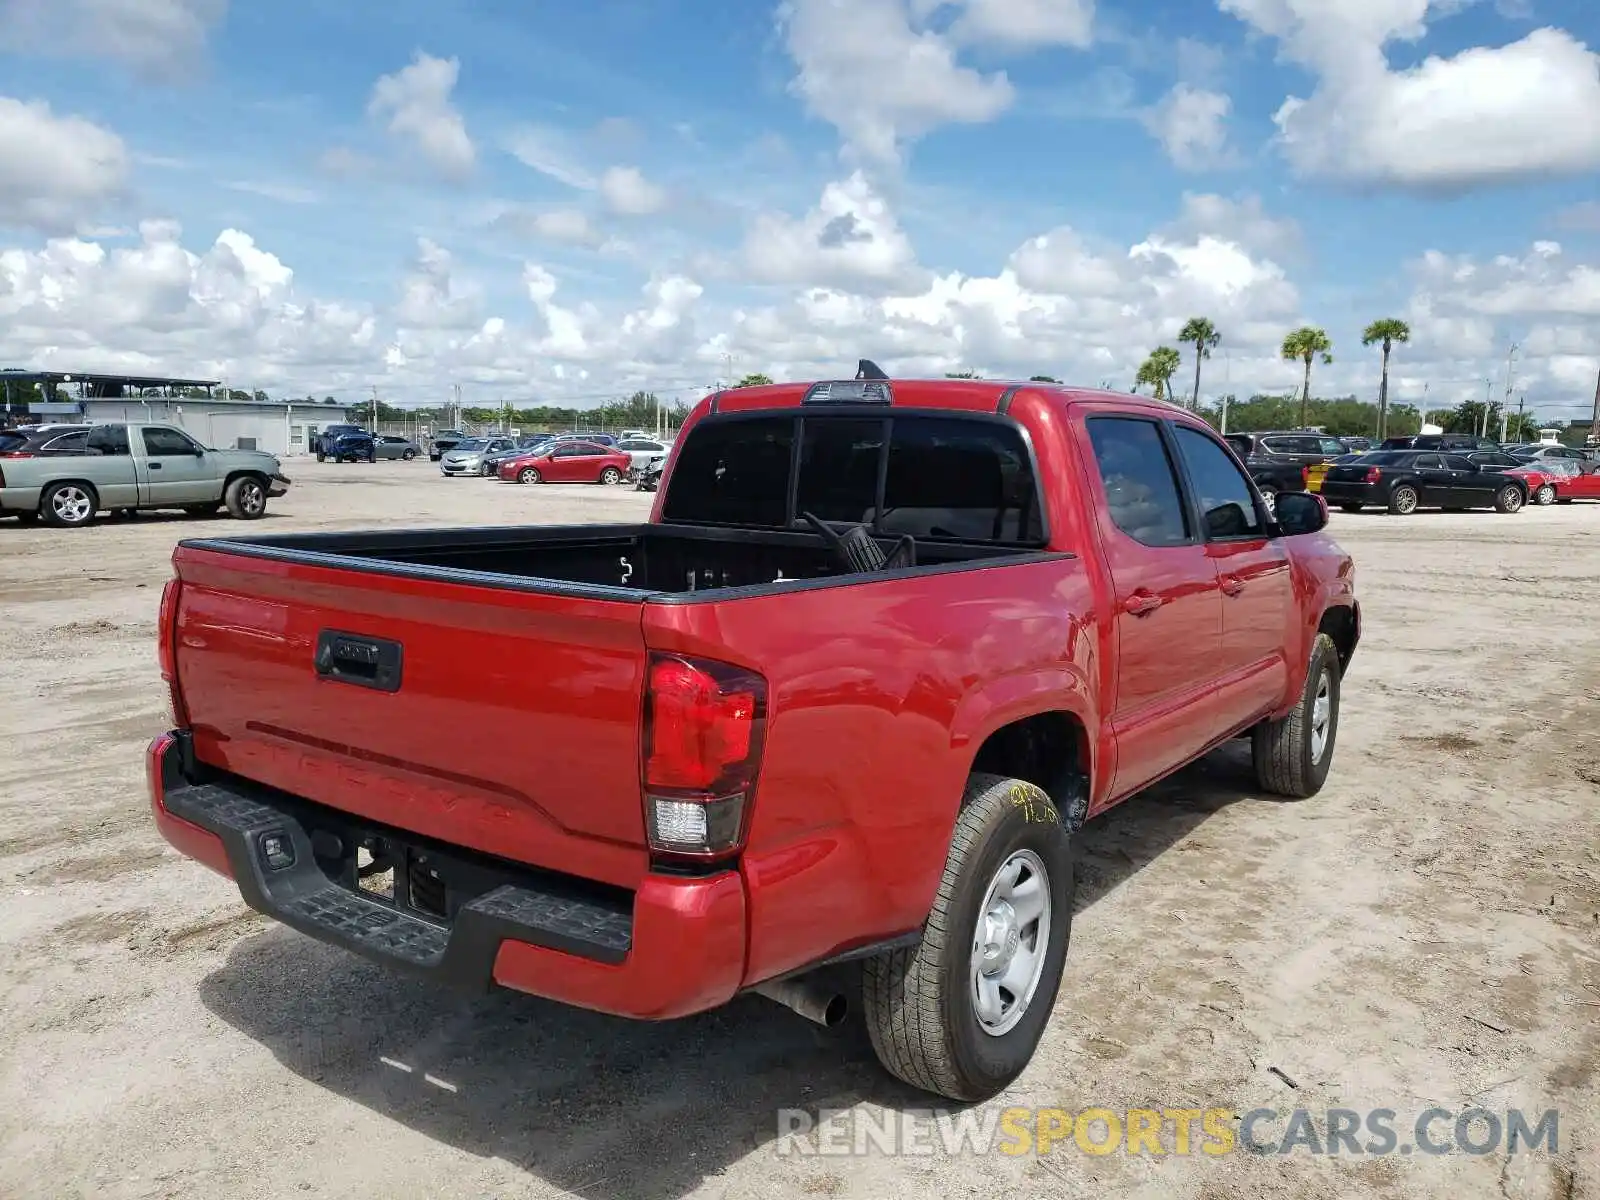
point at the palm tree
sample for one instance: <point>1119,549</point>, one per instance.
<point>1203,336</point>
<point>1385,332</point>
<point>1306,344</point>
<point>1159,369</point>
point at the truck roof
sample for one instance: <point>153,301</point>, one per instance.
<point>970,395</point>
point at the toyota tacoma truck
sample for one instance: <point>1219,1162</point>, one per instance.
<point>823,728</point>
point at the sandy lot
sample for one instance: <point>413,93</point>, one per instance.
<point>1424,932</point>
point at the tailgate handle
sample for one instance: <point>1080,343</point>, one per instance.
<point>354,658</point>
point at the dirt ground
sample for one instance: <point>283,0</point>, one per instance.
<point>1425,932</point>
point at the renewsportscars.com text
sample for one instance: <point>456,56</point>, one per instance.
<point>1180,1132</point>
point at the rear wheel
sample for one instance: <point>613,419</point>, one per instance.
<point>610,476</point>
<point>1509,499</point>
<point>529,475</point>
<point>246,498</point>
<point>1403,500</point>
<point>408,455</point>
<point>321,457</point>
<point>68,505</point>
<point>1292,756</point>
<point>961,1013</point>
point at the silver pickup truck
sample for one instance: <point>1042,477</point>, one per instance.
<point>125,466</point>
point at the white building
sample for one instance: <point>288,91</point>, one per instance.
<point>281,427</point>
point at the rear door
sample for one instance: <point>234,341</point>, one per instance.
<point>1253,578</point>
<point>1434,484</point>
<point>1470,484</point>
<point>1167,610</point>
<point>510,722</point>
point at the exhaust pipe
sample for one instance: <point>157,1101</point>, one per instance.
<point>813,1000</point>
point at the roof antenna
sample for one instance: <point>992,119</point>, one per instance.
<point>867,369</point>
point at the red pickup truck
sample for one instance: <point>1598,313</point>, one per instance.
<point>828,722</point>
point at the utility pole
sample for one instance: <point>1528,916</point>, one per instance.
<point>1424,424</point>
<point>1594,420</point>
<point>374,425</point>
<point>1511,370</point>
<point>1488,399</point>
<point>1227,383</point>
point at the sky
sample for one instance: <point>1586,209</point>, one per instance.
<point>562,203</point>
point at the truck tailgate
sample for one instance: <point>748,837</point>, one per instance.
<point>501,719</point>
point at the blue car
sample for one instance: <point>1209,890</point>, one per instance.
<point>346,443</point>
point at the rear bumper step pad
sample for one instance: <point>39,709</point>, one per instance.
<point>539,910</point>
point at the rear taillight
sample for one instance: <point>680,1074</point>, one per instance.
<point>1305,475</point>
<point>19,454</point>
<point>1373,475</point>
<point>167,650</point>
<point>704,726</point>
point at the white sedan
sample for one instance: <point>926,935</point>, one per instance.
<point>643,451</point>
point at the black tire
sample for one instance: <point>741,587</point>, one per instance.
<point>373,457</point>
<point>920,1004</point>
<point>610,476</point>
<point>321,457</point>
<point>246,498</point>
<point>434,457</point>
<point>1403,500</point>
<point>1545,496</point>
<point>1284,752</point>
<point>529,475</point>
<point>68,505</point>
<point>1349,508</point>
<point>1509,499</point>
<point>408,455</point>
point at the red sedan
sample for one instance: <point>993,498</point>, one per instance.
<point>567,462</point>
<point>1558,481</point>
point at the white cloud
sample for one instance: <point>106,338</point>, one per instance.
<point>55,170</point>
<point>1019,24</point>
<point>152,35</point>
<point>285,193</point>
<point>1191,125</point>
<point>626,191</point>
<point>416,101</point>
<point>546,151</point>
<point>850,239</point>
<point>1485,115</point>
<point>430,296</point>
<point>881,81</point>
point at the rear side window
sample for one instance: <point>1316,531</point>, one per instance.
<point>67,441</point>
<point>964,480</point>
<point>839,468</point>
<point>109,439</point>
<point>1141,486</point>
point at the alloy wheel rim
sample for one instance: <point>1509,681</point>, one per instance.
<point>1321,717</point>
<point>71,504</point>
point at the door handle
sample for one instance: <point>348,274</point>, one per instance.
<point>1142,604</point>
<point>155,466</point>
<point>1231,585</point>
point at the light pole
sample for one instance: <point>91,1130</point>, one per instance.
<point>1511,369</point>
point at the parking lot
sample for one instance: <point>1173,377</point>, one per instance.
<point>1425,932</point>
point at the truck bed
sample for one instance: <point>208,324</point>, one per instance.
<point>598,561</point>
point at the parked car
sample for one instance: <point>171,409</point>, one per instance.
<point>390,446</point>
<point>1273,475</point>
<point>1405,480</point>
<point>847,697</point>
<point>523,447</point>
<point>1296,446</point>
<point>1546,452</point>
<point>642,452</point>
<point>648,478</point>
<point>443,442</point>
<point>346,443</point>
<point>566,462</point>
<point>138,466</point>
<point>1356,445</point>
<point>1557,481</point>
<point>1454,443</point>
<point>604,439</point>
<point>43,441</point>
<point>466,458</point>
<point>1493,460</point>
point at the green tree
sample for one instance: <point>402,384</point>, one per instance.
<point>962,375</point>
<point>1203,336</point>
<point>1387,333</point>
<point>756,380</point>
<point>1307,344</point>
<point>1159,369</point>
<point>1043,379</point>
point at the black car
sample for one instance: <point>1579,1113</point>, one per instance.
<point>346,443</point>
<point>1453,443</point>
<point>1296,446</point>
<point>1403,481</point>
<point>1272,473</point>
<point>44,441</point>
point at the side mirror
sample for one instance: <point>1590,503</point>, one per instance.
<point>1301,512</point>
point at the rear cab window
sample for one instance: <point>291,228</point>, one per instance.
<point>935,477</point>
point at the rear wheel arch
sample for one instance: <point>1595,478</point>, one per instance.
<point>1342,623</point>
<point>1050,749</point>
